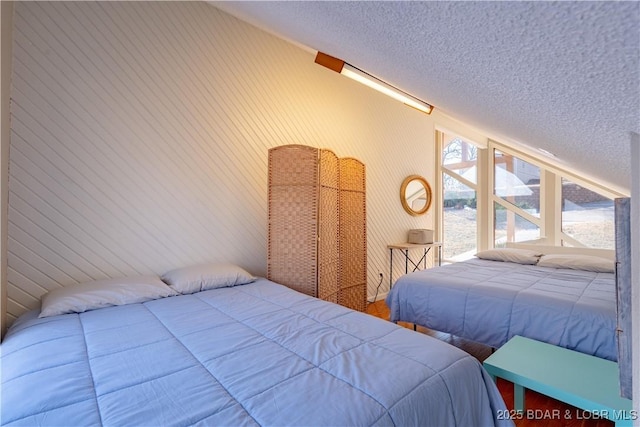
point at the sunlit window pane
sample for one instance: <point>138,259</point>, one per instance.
<point>459,221</point>
<point>511,227</point>
<point>461,158</point>
<point>587,216</point>
<point>517,182</point>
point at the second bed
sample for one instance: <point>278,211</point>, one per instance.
<point>491,301</point>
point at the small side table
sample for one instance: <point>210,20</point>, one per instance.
<point>581,380</point>
<point>404,248</point>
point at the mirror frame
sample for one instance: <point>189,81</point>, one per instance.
<point>427,189</point>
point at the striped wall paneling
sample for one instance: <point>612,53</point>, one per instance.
<point>139,138</point>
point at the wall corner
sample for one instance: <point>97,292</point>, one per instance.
<point>635,271</point>
<point>6,42</point>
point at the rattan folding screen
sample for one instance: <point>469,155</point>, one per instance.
<point>352,255</point>
<point>317,224</point>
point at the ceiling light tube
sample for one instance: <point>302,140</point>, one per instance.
<point>373,82</point>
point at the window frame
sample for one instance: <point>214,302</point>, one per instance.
<point>479,187</point>
<point>551,175</point>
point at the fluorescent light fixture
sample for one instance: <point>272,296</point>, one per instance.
<point>373,82</point>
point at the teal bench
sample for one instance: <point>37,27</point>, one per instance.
<point>586,382</point>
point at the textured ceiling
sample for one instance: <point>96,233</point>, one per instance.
<point>561,76</point>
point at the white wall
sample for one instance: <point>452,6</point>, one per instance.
<point>140,134</point>
<point>6,17</point>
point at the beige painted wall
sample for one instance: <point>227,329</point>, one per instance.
<point>140,134</point>
<point>6,17</point>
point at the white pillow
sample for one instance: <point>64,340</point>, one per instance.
<point>103,293</point>
<point>578,262</point>
<point>201,277</point>
<point>519,256</point>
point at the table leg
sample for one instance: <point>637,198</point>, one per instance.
<point>390,268</point>
<point>518,397</point>
<point>406,261</point>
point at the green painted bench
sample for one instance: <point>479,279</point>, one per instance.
<point>586,382</point>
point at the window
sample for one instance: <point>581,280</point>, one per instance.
<point>495,195</point>
<point>517,182</point>
<point>516,188</point>
<point>459,183</point>
<point>511,227</point>
<point>587,217</point>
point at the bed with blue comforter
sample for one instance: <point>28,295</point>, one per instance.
<point>255,354</point>
<point>491,301</point>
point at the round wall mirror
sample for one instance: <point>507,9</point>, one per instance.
<point>415,195</point>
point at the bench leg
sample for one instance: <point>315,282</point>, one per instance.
<point>518,397</point>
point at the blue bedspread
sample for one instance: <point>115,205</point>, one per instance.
<point>256,354</point>
<point>491,301</point>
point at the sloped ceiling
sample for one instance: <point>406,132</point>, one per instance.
<point>561,76</point>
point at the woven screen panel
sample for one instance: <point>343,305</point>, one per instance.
<point>352,175</point>
<point>317,224</point>
<point>293,217</point>
<point>353,235</point>
<point>329,171</point>
<point>328,232</point>
<point>292,165</point>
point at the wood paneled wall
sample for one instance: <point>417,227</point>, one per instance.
<point>139,138</point>
<point>6,17</point>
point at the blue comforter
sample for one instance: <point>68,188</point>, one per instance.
<point>256,354</point>
<point>492,301</point>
